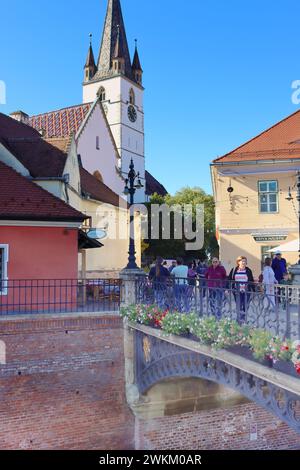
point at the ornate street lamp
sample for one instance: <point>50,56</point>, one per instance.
<point>133,182</point>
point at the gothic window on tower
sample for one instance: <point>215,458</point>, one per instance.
<point>101,94</point>
<point>131,97</point>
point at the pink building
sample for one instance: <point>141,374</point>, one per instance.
<point>39,236</point>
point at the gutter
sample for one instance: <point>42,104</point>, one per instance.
<point>255,162</point>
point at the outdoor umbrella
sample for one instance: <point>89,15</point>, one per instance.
<point>292,246</point>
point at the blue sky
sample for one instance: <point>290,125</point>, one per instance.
<point>216,73</point>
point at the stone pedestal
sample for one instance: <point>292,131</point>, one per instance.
<point>295,272</point>
<point>128,297</point>
<point>128,290</point>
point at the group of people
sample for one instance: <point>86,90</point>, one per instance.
<point>215,280</point>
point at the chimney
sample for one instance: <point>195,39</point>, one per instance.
<point>20,116</point>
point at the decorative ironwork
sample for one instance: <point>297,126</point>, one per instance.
<point>278,312</point>
<point>169,360</point>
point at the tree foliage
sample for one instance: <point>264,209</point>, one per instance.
<point>173,248</point>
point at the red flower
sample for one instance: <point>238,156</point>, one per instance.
<point>298,368</point>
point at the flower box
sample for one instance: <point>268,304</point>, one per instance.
<point>247,354</point>
<point>189,335</point>
<point>287,367</point>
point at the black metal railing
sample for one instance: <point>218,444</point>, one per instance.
<point>58,296</point>
<point>276,308</point>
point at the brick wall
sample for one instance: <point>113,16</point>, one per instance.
<point>219,429</point>
<point>63,388</point>
<point>63,385</point>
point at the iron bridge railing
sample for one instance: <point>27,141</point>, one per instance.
<point>59,295</point>
<point>275,308</point>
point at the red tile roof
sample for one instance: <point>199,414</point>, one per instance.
<point>280,142</point>
<point>91,186</point>
<point>26,144</point>
<point>60,123</point>
<point>21,199</point>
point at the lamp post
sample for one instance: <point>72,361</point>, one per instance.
<point>133,182</point>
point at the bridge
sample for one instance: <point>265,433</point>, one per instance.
<point>151,356</point>
<point>158,357</point>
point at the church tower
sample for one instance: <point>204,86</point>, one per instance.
<point>118,83</point>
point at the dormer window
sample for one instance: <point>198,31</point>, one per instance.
<point>101,94</point>
<point>98,176</point>
<point>131,97</point>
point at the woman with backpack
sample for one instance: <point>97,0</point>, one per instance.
<point>242,282</point>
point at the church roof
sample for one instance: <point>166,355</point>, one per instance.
<point>60,123</point>
<point>154,186</point>
<point>92,187</point>
<point>112,41</point>
<point>279,142</point>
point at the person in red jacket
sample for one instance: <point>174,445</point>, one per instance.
<point>216,282</point>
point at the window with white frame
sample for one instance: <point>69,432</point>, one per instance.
<point>268,196</point>
<point>3,269</point>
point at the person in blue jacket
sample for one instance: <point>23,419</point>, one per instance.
<point>279,266</point>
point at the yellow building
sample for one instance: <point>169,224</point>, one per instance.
<point>251,185</point>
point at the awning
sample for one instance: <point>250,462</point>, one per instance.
<point>86,243</point>
<point>291,247</point>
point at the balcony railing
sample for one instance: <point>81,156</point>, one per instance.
<point>276,309</point>
<point>59,296</point>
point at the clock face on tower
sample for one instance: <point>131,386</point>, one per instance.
<point>132,114</point>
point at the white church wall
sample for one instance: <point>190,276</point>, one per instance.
<point>103,159</point>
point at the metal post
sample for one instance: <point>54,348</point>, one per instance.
<point>131,189</point>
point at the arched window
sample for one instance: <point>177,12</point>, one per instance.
<point>98,176</point>
<point>131,97</point>
<point>101,94</point>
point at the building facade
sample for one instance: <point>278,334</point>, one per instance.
<point>38,232</point>
<point>255,195</point>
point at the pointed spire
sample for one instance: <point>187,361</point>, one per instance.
<point>90,66</point>
<point>137,70</point>
<point>136,64</point>
<point>90,60</point>
<point>114,42</point>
